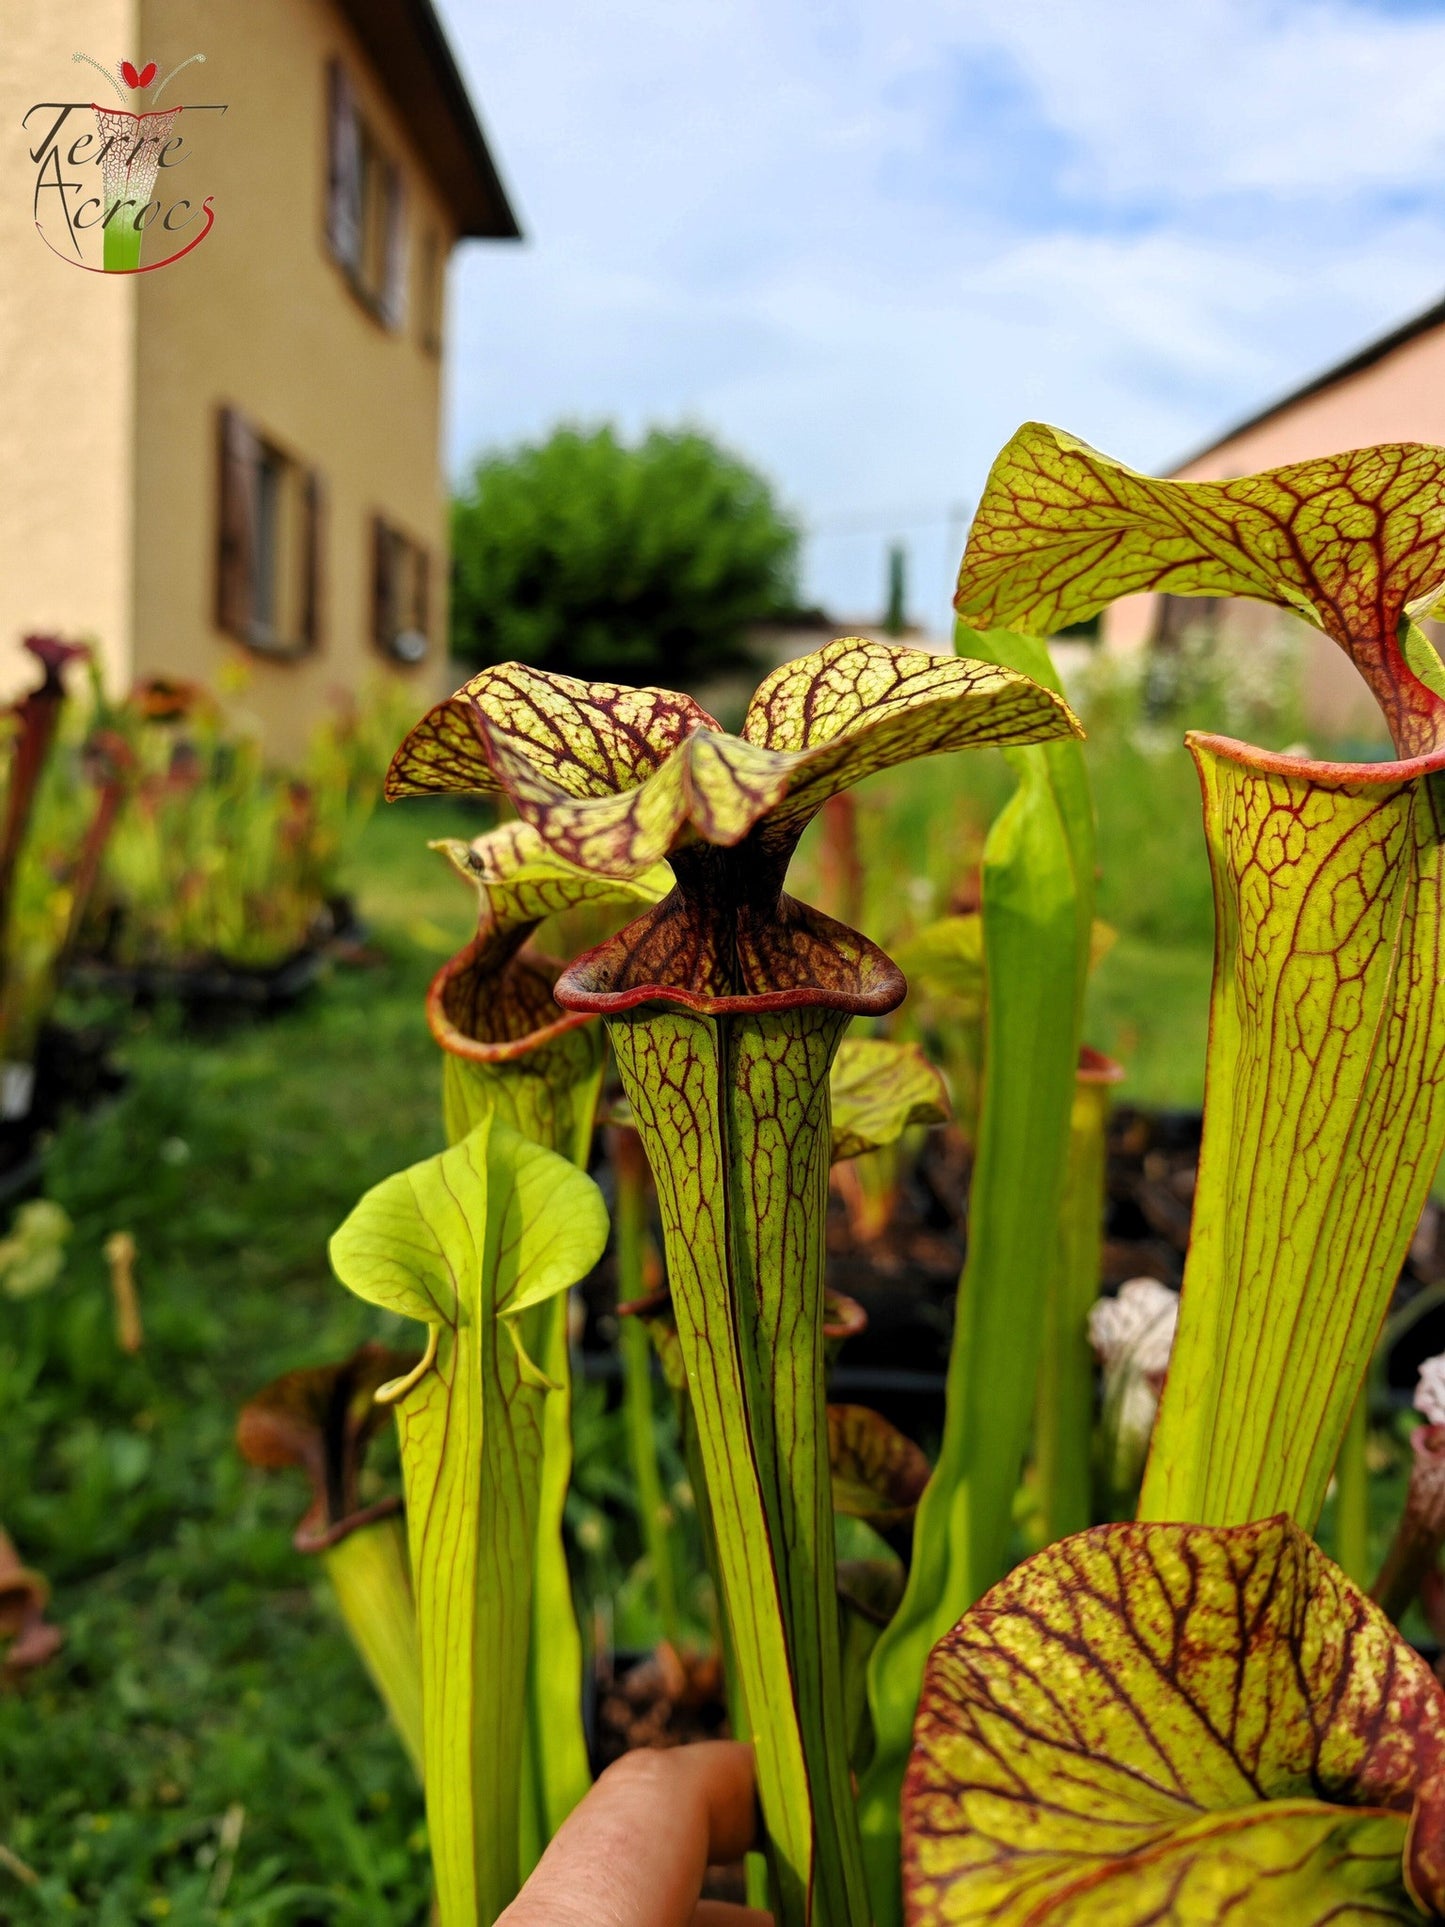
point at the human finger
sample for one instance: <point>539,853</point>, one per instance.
<point>634,1852</point>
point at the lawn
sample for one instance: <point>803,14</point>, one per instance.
<point>206,1748</point>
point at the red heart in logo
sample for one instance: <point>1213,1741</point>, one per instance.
<point>142,79</point>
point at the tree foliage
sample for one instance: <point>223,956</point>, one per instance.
<point>591,558</point>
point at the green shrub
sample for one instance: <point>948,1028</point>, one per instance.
<point>587,557</point>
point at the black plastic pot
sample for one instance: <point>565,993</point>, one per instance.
<point>73,1072</point>
<point>216,990</point>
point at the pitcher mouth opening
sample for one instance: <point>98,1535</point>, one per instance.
<point>1329,774</point>
<point>674,956</point>
<point>517,1008</point>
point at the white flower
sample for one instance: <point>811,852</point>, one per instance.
<point>1134,1331</point>
<point>1430,1390</point>
<point>1132,1335</point>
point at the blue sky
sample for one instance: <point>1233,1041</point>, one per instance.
<point>862,242</point>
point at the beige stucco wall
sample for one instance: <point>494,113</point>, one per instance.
<point>261,319</point>
<point>67,345</point>
<point>1401,398</point>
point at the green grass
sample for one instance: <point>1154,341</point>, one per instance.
<point>205,1673</point>
<point>1148,1007</point>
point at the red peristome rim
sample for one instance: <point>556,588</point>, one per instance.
<point>886,986</point>
<point>1096,1068</point>
<point>1345,776</point>
<point>612,1003</point>
<point>309,1541</point>
<point>457,1044</point>
<point>843,1317</point>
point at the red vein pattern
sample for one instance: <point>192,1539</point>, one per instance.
<point>491,1007</point>
<point>614,780</point>
<point>878,1474</point>
<point>586,739</point>
<point>733,1116</point>
<point>492,1228</point>
<point>726,1004</point>
<point>1172,1723</point>
<point>1324,1120</point>
<point>1351,541</point>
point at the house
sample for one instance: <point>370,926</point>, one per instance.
<point>1393,389</point>
<point>228,468</point>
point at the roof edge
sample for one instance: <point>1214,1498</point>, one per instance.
<point>413,63</point>
<point>1355,364</point>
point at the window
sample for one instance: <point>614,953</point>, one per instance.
<point>1185,622</point>
<point>268,565</point>
<point>431,291</point>
<point>365,205</point>
<point>400,593</point>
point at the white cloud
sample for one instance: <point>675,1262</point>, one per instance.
<point>1206,96</point>
<point>862,243</point>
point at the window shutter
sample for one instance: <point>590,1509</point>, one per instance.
<point>421,613</point>
<point>383,585</point>
<point>236,544</point>
<point>394,269</point>
<point>343,186</point>
<point>430,291</point>
<point>313,558</point>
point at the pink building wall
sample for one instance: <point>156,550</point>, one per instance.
<point>1399,398</point>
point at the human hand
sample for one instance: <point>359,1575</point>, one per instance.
<point>633,1854</point>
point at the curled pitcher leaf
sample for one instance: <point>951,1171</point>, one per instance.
<point>30,1639</point>
<point>487,1229</point>
<point>510,1051</point>
<point>1324,1120</point>
<point>468,1243</point>
<point>880,1089</point>
<point>725,1005</point>
<point>1354,542</point>
<point>615,780</point>
<point>321,1419</point>
<point>491,1008</point>
<point>587,739</point>
<point>1156,1722</point>
<point>1325,1087</point>
<point>878,1474</point>
<point>492,1003</point>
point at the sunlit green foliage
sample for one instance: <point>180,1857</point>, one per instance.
<point>590,557</point>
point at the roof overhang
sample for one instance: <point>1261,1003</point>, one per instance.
<point>1355,364</point>
<point>408,51</point>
